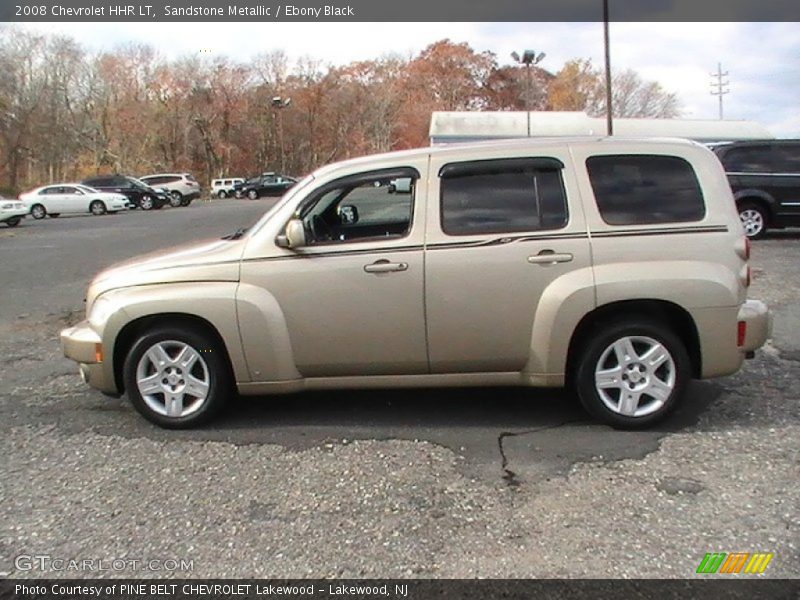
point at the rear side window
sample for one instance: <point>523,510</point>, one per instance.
<point>751,159</point>
<point>502,196</point>
<point>642,189</point>
<point>789,158</point>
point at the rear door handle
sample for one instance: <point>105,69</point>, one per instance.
<point>549,257</point>
<point>384,266</point>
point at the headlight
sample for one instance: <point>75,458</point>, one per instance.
<point>101,310</point>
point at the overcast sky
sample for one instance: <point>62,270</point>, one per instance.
<point>763,58</point>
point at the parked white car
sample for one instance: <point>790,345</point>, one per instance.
<point>181,187</point>
<point>12,211</point>
<point>222,188</point>
<point>71,198</point>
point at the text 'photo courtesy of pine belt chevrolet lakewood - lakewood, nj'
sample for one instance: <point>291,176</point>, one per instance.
<point>615,267</point>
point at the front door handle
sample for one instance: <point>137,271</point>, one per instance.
<point>384,266</point>
<point>549,257</point>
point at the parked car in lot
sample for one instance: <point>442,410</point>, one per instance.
<point>140,194</point>
<point>72,198</point>
<point>222,188</point>
<point>615,267</point>
<point>765,179</point>
<point>267,184</point>
<point>12,211</point>
<point>181,187</point>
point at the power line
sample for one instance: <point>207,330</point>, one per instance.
<point>720,86</point>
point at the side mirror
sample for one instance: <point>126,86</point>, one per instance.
<point>348,214</point>
<point>294,235</point>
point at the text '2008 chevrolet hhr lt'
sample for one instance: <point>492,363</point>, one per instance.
<point>618,268</point>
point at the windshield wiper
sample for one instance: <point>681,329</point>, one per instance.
<point>236,234</point>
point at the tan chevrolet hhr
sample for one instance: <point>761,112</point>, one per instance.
<point>616,267</point>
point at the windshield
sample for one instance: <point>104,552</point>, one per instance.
<point>138,183</point>
<point>291,193</point>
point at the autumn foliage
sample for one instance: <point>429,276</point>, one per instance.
<point>66,113</point>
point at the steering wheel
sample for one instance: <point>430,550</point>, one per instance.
<point>320,230</point>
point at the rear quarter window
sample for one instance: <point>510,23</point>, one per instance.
<point>645,189</point>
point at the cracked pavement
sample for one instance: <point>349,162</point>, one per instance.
<point>492,482</point>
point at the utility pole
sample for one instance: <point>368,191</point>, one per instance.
<point>607,45</point>
<point>719,86</point>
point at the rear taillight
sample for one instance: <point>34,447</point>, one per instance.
<point>741,333</point>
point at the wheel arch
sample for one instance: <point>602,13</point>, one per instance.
<point>128,335</point>
<point>757,197</point>
<point>673,316</point>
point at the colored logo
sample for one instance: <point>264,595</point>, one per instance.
<point>736,562</point>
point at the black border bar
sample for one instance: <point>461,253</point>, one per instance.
<point>744,588</point>
<point>398,11</point>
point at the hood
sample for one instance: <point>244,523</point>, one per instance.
<point>211,260</point>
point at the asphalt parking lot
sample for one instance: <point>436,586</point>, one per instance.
<point>421,483</point>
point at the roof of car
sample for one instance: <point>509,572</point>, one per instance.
<point>511,144</point>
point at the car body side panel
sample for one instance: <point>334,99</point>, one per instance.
<point>212,301</point>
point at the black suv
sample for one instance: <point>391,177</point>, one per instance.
<point>765,179</point>
<point>141,195</point>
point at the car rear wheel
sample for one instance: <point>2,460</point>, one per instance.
<point>222,194</point>
<point>146,202</point>
<point>754,220</point>
<point>252,194</point>
<point>175,199</point>
<point>177,377</point>
<point>97,208</point>
<point>632,373</point>
<point>38,211</point>
<point>13,221</point>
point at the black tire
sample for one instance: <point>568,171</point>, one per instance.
<point>222,194</point>
<point>14,221</point>
<point>754,218</point>
<point>175,199</point>
<point>218,372</point>
<point>97,208</point>
<point>38,211</point>
<point>252,194</point>
<point>595,352</point>
<point>146,202</point>
<point>54,215</point>
<point>186,201</point>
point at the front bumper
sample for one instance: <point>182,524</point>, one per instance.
<point>82,344</point>
<point>758,320</point>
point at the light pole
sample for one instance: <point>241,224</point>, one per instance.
<point>609,107</point>
<point>279,103</point>
<point>530,59</point>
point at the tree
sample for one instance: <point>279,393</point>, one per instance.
<point>579,86</point>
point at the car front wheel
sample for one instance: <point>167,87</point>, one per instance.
<point>632,373</point>
<point>175,199</point>
<point>146,202</point>
<point>38,211</point>
<point>222,194</point>
<point>252,194</point>
<point>13,221</point>
<point>177,378</point>
<point>97,208</point>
